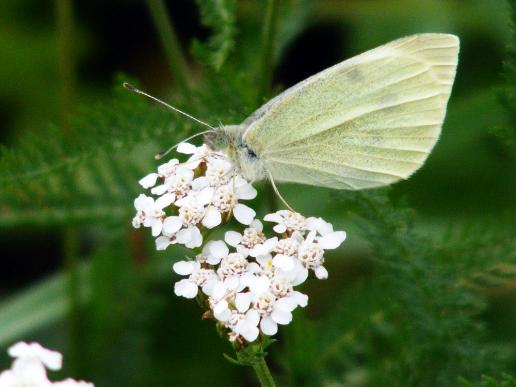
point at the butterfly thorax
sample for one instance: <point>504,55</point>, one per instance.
<point>229,139</point>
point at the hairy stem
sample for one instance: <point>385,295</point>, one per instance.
<point>170,43</point>
<point>263,373</point>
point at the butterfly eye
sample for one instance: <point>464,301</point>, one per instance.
<point>250,153</point>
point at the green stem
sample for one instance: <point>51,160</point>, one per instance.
<point>66,74</point>
<point>170,43</point>
<point>262,372</point>
<point>268,39</point>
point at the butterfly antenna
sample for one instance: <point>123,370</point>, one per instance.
<point>277,192</point>
<point>160,155</point>
<point>130,87</point>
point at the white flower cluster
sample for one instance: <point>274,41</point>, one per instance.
<point>29,369</point>
<point>251,288</point>
<point>192,196</point>
<point>247,280</point>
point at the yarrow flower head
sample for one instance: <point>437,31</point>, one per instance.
<point>192,196</point>
<point>29,369</point>
<point>247,281</point>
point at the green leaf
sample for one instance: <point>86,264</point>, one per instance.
<point>220,17</point>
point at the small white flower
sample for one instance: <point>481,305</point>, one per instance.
<point>252,241</point>
<point>29,367</point>
<point>150,213</point>
<point>168,169</point>
<point>178,184</point>
<point>215,251</point>
<point>217,172</point>
<point>191,237</point>
<point>198,278</point>
<point>282,312</point>
<point>287,221</point>
<point>248,326</point>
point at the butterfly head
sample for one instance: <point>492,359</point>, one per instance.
<point>229,139</point>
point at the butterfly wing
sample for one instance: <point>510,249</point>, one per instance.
<point>366,122</point>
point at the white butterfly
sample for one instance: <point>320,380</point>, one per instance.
<point>366,122</point>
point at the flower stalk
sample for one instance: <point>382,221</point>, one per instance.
<point>263,373</point>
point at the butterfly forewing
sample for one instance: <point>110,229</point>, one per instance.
<point>366,122</point>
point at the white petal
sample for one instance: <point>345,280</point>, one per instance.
<point>185,267</point>
<point>165,200</point>
<point>35,353</point>
<point>200,183</point>
<point>205,195</point>
<point>207,288</point>
<point>252,317</point>
<point>149,180</point>
<point>310,237</point>
<point>324,227</point>
<point>232,282</point>
<point>253,267</point>
<point>260,285</point>
<point>219,290</point>
<point>196,238</point>
<point>143,202</point>
<point>163,242</point>
<point>300,277</point>
<point>244,214</point>
<point>159,190</point>
<point>245,191</point>
<point>220,307</point>
<point>242,301</point>
<point>9,379</point>
<point>280,228</point>
<point>268,326</point>
<point>156,225</point>
<point>185,288</point>
<point>256,224</point>
<point>186,148</point>
<point>242,250</point>
<point>166,168</point>
<point>171,225</point>
<point>232,238</point>
<point>218,249</point>
<point>184,236</point>
<point>185,173</point>
<point>300,298</point>
<point>287,304</point>
<point>274,217</point>
<point>283,262</point>
<point>281,317</point>
<point>332,240</point>
<point>250,333</point>
<point>321,272</point>
<point>212,218</point>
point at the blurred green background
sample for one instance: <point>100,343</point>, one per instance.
<point>422,293</point>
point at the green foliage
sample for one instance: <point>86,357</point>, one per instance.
<point>488,381</point>
<point>507,95</point>
<point>89,172</point>
<point>219,16</point>
<point>432,301</point>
